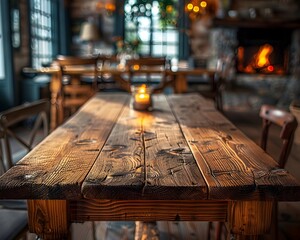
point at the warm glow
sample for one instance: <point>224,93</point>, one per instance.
<point>260,61</point>
<point>142,89</point>
<point>142,97</point>
<point>270,68</point>
<point>196,9</point>
<point>190,6</point>
<point>199,8</point>
<point>136,67</point>
<point>169,9</point>
<point>263,55</point>
<point>110,7</point>
<point>203,4</point>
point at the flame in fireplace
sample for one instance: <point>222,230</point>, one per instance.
<point>261,59</point>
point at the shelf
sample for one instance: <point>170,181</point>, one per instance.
<point>256,23</point>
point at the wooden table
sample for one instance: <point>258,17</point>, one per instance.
<point>182,161</point>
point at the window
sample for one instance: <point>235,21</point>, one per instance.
<point>143,22</point>
<point>2,73</point>
<point>15,28</point>
<point>43,40</point>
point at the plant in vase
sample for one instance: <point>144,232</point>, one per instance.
<point>127,49</point>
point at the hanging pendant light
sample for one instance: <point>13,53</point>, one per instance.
<point>198,8</point>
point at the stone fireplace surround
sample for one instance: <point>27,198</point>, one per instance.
<point>214,41</point>
<point>244,91</point>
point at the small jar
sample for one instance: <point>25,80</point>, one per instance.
<point>141,97</point>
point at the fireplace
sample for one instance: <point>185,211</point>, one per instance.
<point>263,51</point>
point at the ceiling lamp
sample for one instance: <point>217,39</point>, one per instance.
<point>199,8</point>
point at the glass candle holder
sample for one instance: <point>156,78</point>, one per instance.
<point>141,97</point>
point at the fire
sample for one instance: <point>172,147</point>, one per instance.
<point>262,57</point>
<point>260,61</point>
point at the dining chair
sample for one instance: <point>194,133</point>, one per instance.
<point>76,88</point>
<point>272,115</point>
<point>287,122</point>
<point>21,130</point>
<point>147,70</point>
<point>106,80</point>
<point>212,86</point>
<point>215,90</point>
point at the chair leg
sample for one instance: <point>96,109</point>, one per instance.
<point>94,230</point>
<point>208,230</point>
<point>218,231</point>
<point>274,224</point>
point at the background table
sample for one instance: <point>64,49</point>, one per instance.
<point>177,79</point>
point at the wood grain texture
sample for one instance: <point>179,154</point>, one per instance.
<point>146,157</point>
<point>48,219</point>
<point>57,167</point>
<point>233,166</point>
<point>250,217</point>
<point>148,210</point>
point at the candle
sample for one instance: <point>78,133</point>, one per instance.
<point>141,98</point>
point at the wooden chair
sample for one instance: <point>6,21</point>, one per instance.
<point>106,80</point>
<point>147,70</point>
<point>218,83</point>
<point>13,213</point>
<point>32,116</point>
<point>215,89</point>
<point>288,123</point>
<point>272,115</point>
<point>74,90</point>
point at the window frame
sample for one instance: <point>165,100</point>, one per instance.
<point>52,39</point>
<point>153,29</point>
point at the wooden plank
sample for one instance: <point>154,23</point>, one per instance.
<point>58,166</point>
<point>44,223</point>
<point>148,210</point>
<point>250,217</point>
<point>169,159</point>
<point>233,166</point>
<point>146,140</point>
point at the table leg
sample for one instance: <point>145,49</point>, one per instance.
<point>180,83</point>
<point>49,218</point>
<point>56,103</point>
<point>248,219</point>
<point>124,84</point>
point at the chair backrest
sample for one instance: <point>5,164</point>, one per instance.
<point>67,62</point>
<point>288,123</point>
<point>147,70</point>
<point>34,115</point>
<point>106,80</point>
<point>77,86</point>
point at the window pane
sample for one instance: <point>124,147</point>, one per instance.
<point>42,40</point>
<point>149,30</point>
<point>2,72</point>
